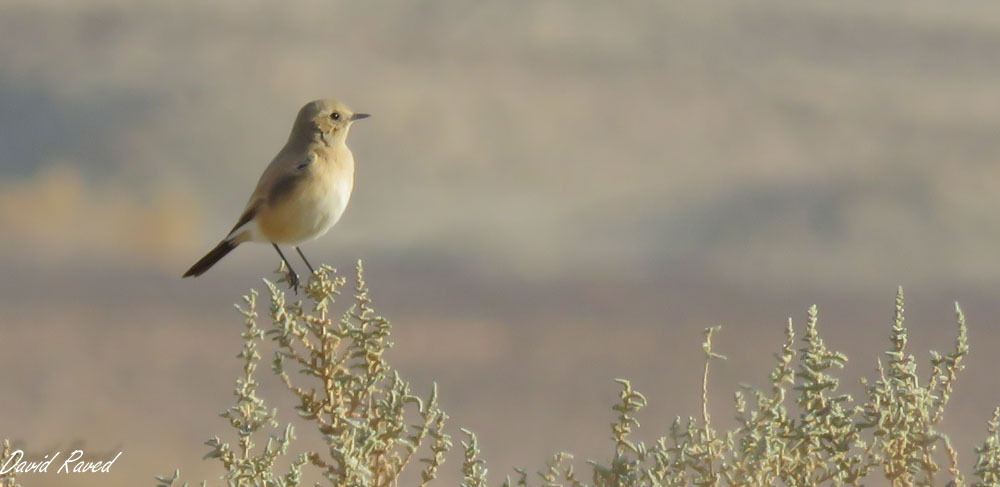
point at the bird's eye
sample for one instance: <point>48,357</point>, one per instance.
<point>335,116</point>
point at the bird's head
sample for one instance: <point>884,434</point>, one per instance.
<point>329,120</point>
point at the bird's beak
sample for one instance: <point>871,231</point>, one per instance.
<point>359,116</point>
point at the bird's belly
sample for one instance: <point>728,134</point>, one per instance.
<point>306,215</point>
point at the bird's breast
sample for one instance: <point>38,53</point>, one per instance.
<point>310,210</point>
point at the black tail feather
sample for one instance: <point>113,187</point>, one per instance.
<point>210,258</point>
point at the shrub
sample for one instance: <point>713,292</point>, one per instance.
<point>7,480</point>
<point>799,431</point>
<point>365,413</point>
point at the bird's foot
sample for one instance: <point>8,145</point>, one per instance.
<point>293,281</point>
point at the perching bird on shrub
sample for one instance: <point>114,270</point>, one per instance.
<point>303,192</point>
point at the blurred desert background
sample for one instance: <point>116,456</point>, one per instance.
<point>549,195</point>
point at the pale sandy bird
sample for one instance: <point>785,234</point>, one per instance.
<point>303,192</point>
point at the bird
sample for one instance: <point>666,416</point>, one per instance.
<point>302,193</point>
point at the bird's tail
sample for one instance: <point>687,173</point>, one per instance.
<point>211,258</point>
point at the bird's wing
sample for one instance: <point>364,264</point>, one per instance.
<point>248,214</point>
<point>275,179</point>
<point>279,180</point>
<point>285,177</point>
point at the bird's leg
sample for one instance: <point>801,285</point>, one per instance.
<point>297,249</point>
<point>293,278</point>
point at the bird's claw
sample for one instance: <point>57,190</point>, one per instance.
<point>293,281</point>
